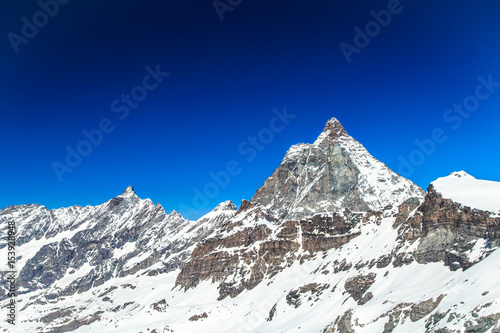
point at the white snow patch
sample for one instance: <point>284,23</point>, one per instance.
<point>469,191</point>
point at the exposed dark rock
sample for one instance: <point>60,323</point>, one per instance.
<point>212,260</point>
<point>402,259</point>
<point>293,298</point>
<point>358,285</point>
<point>160,306</point>
<point>384,261</point>
<point>446,230</point>
<point>433,320</point>
<point>198,317</point>
<point>342,266</point>
<point>366,297</point>
<point>60,313</point>
<point>272,312</point>
<point>342,324</point>
<point>422,309</point>
<point>75,323</point>
<point>108,290</point>
<point>482,324</point>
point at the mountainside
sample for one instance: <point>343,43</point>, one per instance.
<point>69,251</point>
<point>334,241</point>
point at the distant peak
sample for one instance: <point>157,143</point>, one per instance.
<point>129,191</point>
<point>226,205</point>
<point>175,213</point>
<point>334,128</point>
<point>460,174</point>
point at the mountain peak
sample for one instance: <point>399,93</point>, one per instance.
<point>220,214</point>
<point>333,173</point>
<point>226,205</point>
<point>129,191</point>
<point>175,214</point>
<point>333,128</point>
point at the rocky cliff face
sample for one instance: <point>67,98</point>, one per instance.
<point>333,173</point>
<point>452,233</point>
<point>250,247</point>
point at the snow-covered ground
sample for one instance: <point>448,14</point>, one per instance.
<point>469,191</point>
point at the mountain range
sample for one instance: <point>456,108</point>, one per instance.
<point>333,241</point>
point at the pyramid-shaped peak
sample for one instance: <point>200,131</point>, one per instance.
<point>333,173</point>
<point>334,128</point>
<point>129,191</point>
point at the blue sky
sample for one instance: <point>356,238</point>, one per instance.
<point>176,132</point>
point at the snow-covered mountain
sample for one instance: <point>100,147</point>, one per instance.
<point>69,251</point>
<point>333,173</point>
<point>334,241</point>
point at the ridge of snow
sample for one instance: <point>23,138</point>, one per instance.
<point>465,189</point>
<point>225,205</point>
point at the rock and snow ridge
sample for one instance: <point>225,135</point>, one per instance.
<point>393,261</point>
<point>70,250</point>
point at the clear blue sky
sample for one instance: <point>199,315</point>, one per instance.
<point>225,78</point>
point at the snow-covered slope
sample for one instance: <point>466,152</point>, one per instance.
<point>469,191</point>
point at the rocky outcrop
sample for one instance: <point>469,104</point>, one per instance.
<point>484,324</point>
<point>343,324</point>
<point>393,318</point>
<point>358,285</point>
<point>312,290</point>
<point>448,231</point>
<point>233,253</point>
<point>422,309</point>
<point>198,317</point>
